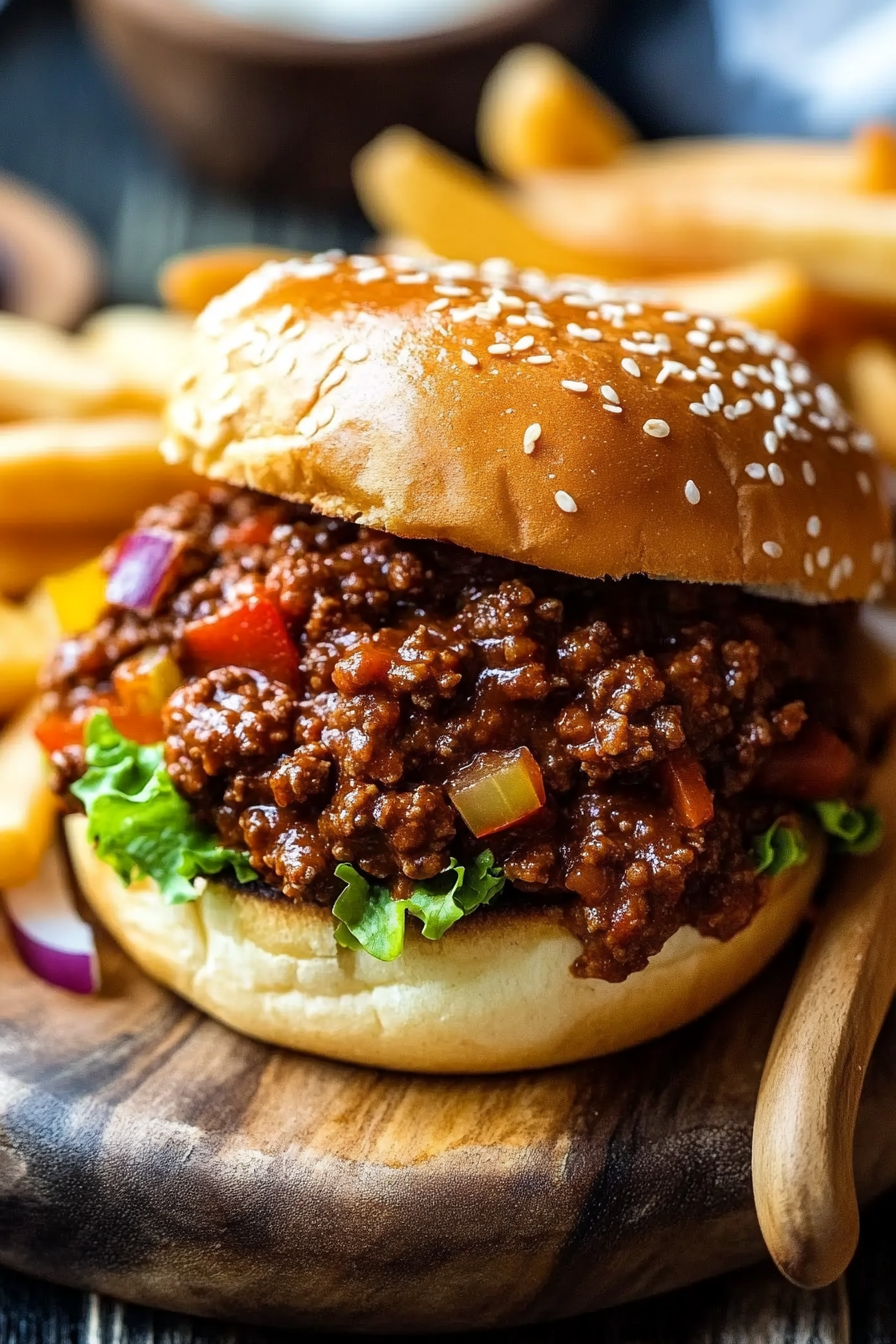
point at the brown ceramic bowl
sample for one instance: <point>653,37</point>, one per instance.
<point>262,109</point>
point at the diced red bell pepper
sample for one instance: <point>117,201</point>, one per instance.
<point>253,531</point>
<point>251,633</point>
<point>497,790</point>
<point>816,765</point>
<point>57,731</point>
<point>687,790</point>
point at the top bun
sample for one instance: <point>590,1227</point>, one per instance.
<point>405,395</point>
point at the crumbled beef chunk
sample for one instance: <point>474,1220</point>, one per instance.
<point>416,656</point>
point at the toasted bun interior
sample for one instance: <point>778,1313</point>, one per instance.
<point>555,423</point>
<point>495,994</point>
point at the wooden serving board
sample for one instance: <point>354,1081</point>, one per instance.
<point>149,1153</point>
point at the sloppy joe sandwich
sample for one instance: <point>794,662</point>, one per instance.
<point>495,707</point>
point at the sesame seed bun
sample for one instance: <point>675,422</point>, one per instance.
<point>557,423</point>
<point>495,994</point>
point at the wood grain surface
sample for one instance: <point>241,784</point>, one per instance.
<point>149,1153</point>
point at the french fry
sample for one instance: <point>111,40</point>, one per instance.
<point>871,372</point>
<point>27,806</point>
<point>93,473</point>
<point>845,244</point>
<point>867,163</point>
<point>146,348</point>
<point>27,634</point>
<point>537,111</point>
<point>45,372</point>
<point>188,282</point>
<point>29,555</point>
<point>411,187</point>
<point>772,295</point>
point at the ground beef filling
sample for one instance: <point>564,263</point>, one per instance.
<point>416,657</point>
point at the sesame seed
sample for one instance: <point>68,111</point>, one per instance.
<point>846,566</point>
<point>333,379</point>
<point>808,565</point>
<point>772,549</point>
<point>823,557</point>
<point>609,393</point>
<point>590,334</point>
<point>369,274</point>
<point>755,471</point>
<point>809,473</point>
<point>608,406</point>
<point>739,379</point>
<point>743,406</point>
<point>697,338</point>
<point>531,437</point>
<point>499,348</point>
<point>524,343</point>
<point>469,358</point>
<point>705,324</point>
<point>657,429</point>
<point>775,474</point>
<point>324,413</point>
<point>307,426</point>
<point>566,502</point>
<point>864,482</point>
<point>698,408</point>
<point>452,291</point>
<point>540,359</point>
<point>437,306</point>
<point>515,320</point>
<point>813,526</point>
<point>572,386</point>
<point>838,442</point>
<point>770,441</point>
<point>691,493</point>
<point>355,353</point>
<point>717,347</point>
<point>539,320</point>
<point>672,315</point>
<point>412,278</point>
<point>631,366</point>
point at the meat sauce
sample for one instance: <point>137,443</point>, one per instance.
<point>416,657</point>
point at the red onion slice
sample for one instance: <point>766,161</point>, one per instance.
<point>143,570</point>
<point>50,936</point>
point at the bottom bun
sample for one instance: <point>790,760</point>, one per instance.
<point>495,994</point>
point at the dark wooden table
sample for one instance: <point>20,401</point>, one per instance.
<point>66,127</point>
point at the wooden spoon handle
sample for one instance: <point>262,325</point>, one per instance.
<point>809,1094</point>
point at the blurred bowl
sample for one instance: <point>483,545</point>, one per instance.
<point>263,109</point>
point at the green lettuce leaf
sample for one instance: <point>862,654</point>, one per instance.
<point>779,848</point>
<point>855,830</point>
<point>140,824</point>
<point>371,921</point>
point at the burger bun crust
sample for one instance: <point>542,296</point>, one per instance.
<point>554,423</point>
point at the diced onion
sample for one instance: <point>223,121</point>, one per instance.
<point>497,790</point>
<point>142,570</point>
<point>52,939</point>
